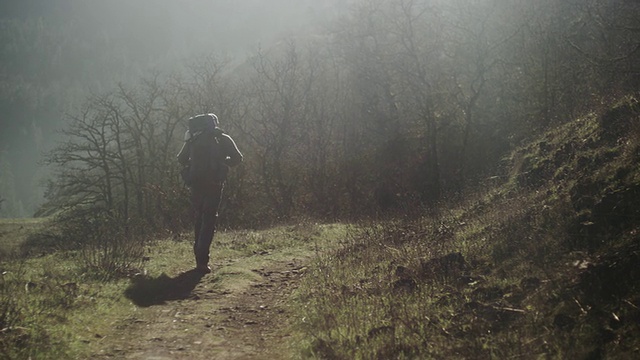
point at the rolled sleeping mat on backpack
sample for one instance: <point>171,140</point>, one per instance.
<point>203,122</point>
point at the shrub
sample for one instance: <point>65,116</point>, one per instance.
<point>108,246</point>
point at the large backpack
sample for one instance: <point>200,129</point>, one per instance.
<point>205,153</point>
<point>202,122</point>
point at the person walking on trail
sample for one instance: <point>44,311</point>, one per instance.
<point>206,155</point>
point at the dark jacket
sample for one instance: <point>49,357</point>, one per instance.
<point>227,153</point>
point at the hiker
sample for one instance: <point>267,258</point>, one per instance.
<point>207,154</point>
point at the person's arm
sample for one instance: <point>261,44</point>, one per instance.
<point>234,157</point>
<point>183,155</point>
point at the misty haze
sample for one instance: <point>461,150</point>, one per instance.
<point>56,52</point>
<point>328,179</point>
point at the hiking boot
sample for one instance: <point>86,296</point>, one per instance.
<point>205,269</point>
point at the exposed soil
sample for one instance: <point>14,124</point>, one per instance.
<point>208,317</point>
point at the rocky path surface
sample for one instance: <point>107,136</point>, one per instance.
<point>223,315</point>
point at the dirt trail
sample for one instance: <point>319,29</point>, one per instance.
<point>209,317</point>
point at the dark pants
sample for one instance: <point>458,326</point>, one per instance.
<point>205,201</point>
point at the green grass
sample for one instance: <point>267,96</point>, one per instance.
<point>52,308</point>
<point>15,232</point>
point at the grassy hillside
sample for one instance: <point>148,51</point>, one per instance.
<point>542,264</point>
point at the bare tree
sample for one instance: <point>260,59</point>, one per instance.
<point>84,161</point>
<point>320,145</point>
<point>476,41</point>
<point>420,48</point>
<point>281,87</point>
<point>607,42</point>
<point>118,153</point>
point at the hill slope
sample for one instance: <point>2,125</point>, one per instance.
<point>544,263</point>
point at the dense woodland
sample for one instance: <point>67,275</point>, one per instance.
<point>55,53</point>
<point>392,105</point>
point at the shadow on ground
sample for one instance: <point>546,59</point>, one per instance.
<point>146,291</point>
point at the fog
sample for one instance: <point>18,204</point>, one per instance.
<point>403,99</point>
<point>56,52</point>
